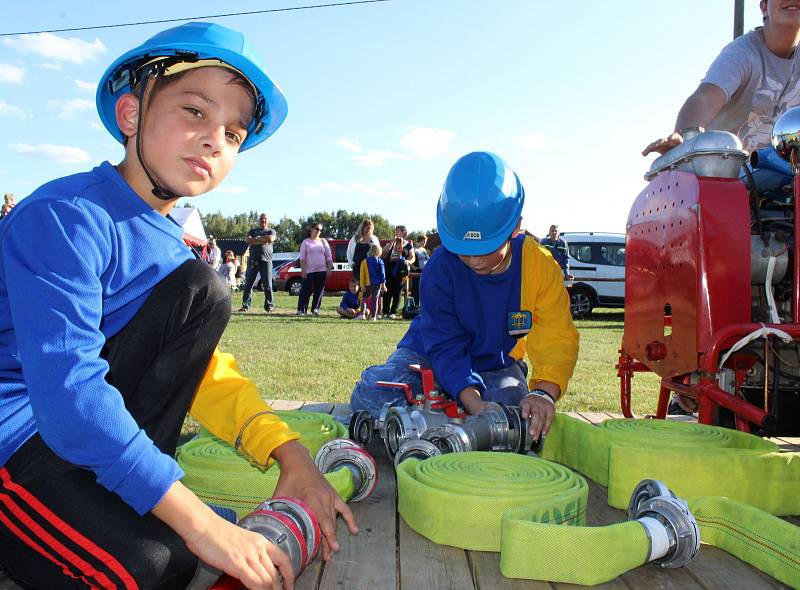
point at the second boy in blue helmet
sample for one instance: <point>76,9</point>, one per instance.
<point>109,333</point>
<point>492,297</point>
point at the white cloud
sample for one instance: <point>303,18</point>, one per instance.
<point>69,109</point>
<point>373,189</point>
<point>50,46</point>
<point>49,65</point>
<point>420,143</point>
<point>532,141</point>
<point>11,74</point>
<point>9,110</point>
<point>60,154</point>
<point>84,85</point>
<point>427,143</point>
<point>374,158</point>
<point>350,144</point>
<point>96,125</point>
<point>232,190</point>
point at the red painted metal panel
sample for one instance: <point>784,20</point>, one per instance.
<point>688,252</point>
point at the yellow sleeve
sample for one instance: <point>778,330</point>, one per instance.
<point>552,343</point>
<point>228,405</point>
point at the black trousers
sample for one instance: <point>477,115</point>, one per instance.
<point>313,283</point>
<point>264,268</point>
<point>391,299</point>
<point>58,527</point>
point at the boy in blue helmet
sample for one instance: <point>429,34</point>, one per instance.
<point>105,345</point>
<point>492,296</point>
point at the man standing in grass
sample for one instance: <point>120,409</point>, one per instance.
<point>260,240</point>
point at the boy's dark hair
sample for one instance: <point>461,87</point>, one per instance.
<point>162,82</point>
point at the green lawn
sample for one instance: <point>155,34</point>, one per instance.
<point>320,358</point>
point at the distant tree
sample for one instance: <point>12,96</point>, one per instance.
<point>287,230</point>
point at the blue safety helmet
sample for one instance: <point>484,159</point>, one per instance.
<point>480,205</point>
<point>193,45</point>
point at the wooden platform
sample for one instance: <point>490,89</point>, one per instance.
<point>388,555</point>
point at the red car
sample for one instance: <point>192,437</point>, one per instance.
<point>289,276</point>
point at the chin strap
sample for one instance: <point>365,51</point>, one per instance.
<point>159,191</point>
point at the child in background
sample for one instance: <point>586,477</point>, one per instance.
<point>373,280</point>
<point>350,305</point>
<point>228,269</point>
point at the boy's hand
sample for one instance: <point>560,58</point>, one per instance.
<point>540,411</point>
<point>471,400</point>
<point>301,479</point>
<point>244,555</point>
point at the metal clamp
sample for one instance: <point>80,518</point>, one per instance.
<point>342,452</point>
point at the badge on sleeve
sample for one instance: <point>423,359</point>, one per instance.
<point>519,323</point>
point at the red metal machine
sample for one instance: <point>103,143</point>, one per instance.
<point>712,284</point>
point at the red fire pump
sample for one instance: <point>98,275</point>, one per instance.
<point>712,285</point>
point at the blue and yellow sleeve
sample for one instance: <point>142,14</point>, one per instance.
<point>228,404</point>
<point>552,344</point>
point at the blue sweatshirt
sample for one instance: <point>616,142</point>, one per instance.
<point>350,300</point>
<point>472,323</point>
<point>78,258</point>
<point>377,273</point>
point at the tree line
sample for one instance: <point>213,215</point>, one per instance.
<point>291,232</point>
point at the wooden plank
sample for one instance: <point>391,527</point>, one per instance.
<point>715,568</point>
<point>787,444</point>
<point>286,404</point>
<point>340,409</point>
<point>321,407</point>
<point>309,578</point>
<point>485,568</point>
<point>594,417</point>
<point>424,564</point>
<point>577,416</point>
<point>368,561</point>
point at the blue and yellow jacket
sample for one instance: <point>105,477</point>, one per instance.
<point>472,323</point>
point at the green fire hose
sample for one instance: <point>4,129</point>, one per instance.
<point>514,504</point>
<point>218,475</point>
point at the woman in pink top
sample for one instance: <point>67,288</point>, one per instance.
<point>315,261</point>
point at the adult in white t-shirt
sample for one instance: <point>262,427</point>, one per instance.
<point>750,83</point>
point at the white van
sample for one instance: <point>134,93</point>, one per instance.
<point>597,263</point>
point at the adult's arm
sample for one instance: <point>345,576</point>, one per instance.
<point>56,301</point>
<point>726,74</point>
<point>699,110</point>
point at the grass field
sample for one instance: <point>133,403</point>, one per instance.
<point>310,358</point>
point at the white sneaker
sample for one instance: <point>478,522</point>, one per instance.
<point>391,316</point>
<point>299,314</point>
<point>315,313</point>
<point>360,317</point>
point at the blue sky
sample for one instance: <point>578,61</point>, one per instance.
<point>384,97</point>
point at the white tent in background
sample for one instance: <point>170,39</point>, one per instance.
<point>189,219</point>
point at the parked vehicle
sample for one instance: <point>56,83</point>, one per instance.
<point>597,263</point>
<point>289,276</point>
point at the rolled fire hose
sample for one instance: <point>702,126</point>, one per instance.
<point>692,459</point>
<point>734,481</point>
<point>515,504</point>
<point>220,476</point>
